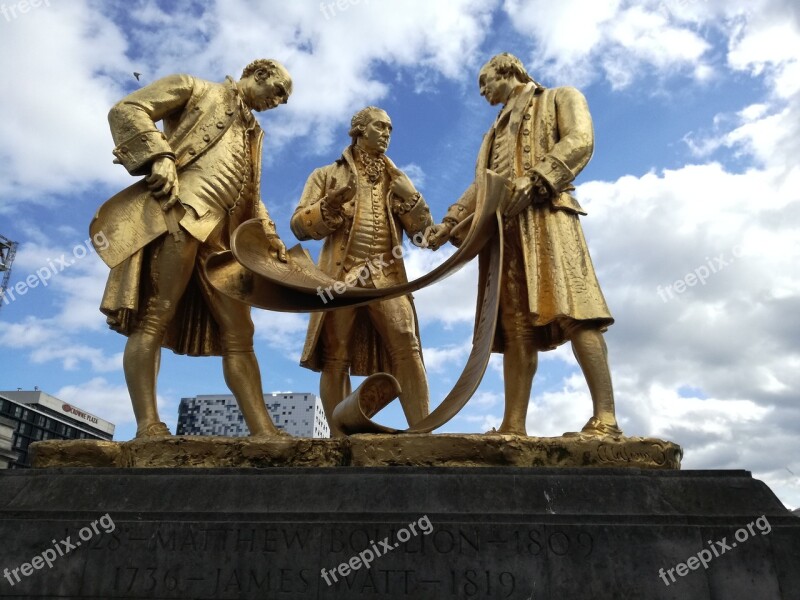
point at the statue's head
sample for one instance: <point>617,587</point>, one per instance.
<point>500,76</point>
<point>371,130</point>
<point>265,83</point>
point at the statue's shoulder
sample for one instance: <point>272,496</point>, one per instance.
<point>567,91</point>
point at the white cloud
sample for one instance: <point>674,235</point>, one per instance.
<point>72,277</point>
<point>575,42</point>
<point>449,358</point>
<point>65,53</point>
<point>451,301</point>
<point>333,76</point>
<point>100,397</point>
<point>416,174</point>
<point>281,331</point>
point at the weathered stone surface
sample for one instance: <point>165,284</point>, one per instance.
<point>464,450</point>
<point>189,451</point>
<point>368,450</point>
<point>76,453</point>
<point>493,532</point>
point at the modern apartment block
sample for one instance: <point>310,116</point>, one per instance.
<point>35,415</point>
<point>7,454</point>
<point>298,414</point>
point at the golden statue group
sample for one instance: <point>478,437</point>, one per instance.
<point>199,207</point>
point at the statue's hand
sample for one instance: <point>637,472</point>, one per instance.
<point>163,180</point>
<point>276,247</point>
<point>542,192</point>
<point>520,197</point>
<point>336,197</point>
<point>437,235</point>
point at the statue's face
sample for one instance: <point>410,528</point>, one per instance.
<point>377,133</point>
<point>267,93</point>
<point>494,87</point>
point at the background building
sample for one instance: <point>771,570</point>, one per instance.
<point>38,416</point>
<point>297,414</point>
<point>7,454</point>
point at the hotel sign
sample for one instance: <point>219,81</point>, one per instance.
<point>68,408</point>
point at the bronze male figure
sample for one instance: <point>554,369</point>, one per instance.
<point>204,169</point>
<point>361,205</point>
<point>542,138</point>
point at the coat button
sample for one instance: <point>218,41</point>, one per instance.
<point>229,112</point>
<point>527,117</point>
<point>527,165</point>
<point>526,131</point>
<point>220,124</point>
<point>206,137</point>
<point>192,151</point>
<point>143,138</point>
<point>308,211</point>
<point>527,148</point>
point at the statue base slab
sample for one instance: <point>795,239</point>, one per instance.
<point>364,450</point>
<point>395,533</point>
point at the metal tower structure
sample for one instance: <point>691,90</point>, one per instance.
<point>8,250</point>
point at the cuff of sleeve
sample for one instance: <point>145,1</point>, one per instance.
<point>333,220</point>
<point>269,227</point>
<point>554,172</point>
<point>403,206</point>
<point>417,217</point>
<point>136,153</point>
<point>455,214</point>
<point>319,221</point>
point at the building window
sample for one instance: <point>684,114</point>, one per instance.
<point>17,411</point>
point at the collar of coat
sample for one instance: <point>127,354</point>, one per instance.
<point>350,160</point>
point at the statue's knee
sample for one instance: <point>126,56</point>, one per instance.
<point>237,341</point>
<point>157,316</point>
<point>405,348</point>
<point>335,364</point>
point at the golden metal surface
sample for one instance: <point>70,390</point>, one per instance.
<point>202,179</point>
<point>257,279</point>
<point>542,138</point>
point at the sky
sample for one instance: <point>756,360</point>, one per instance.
<point>693,194</point>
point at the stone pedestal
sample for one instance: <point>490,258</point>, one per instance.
<point>426,533</point>
<point>366,450</point>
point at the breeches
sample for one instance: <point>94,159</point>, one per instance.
<point>173,265</point>
<point>394,320</point>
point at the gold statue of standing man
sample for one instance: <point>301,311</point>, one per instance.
<point>542,138</point>
<point>360,205</point>
<point>202,180</point>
